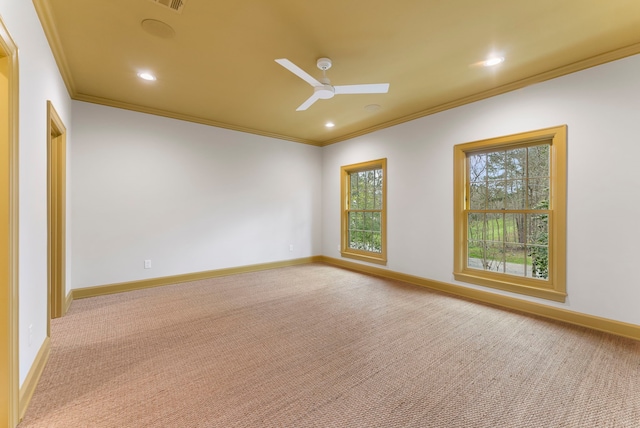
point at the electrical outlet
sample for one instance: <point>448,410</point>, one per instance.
<point>30,334</point>
<point>147,264</point>
<point>290,247</point>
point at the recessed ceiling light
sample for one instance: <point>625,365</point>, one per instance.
<point>372,107</point>
<point>493,61</point>
<point>329,124</point>
<point>146,76</point>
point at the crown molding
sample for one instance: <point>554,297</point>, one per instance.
<point>187,118</point>
<point>43,10</point>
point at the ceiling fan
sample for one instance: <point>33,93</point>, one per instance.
<point>322,89</point>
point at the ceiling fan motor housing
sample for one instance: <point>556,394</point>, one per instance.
<point>324,92</point>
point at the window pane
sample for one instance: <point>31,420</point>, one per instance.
<point>475,226</point>
<point>372,190</point>
<point>537,229</point>
<point>475,254</point>
<point>368,190</point>
<point>354,192</point>
<point>478,196</point>
<point>538,159</point>
<point>361,188</point>
<point>516,163</point>
<point>515,194</point>
<point>354,238</point>
<point>538,193</point>
<point>376,197</point>
<point>512,243</point>
<point>376,242</point>
<point>539,261</point>
<point>378,190</point>
<point>516,259</point>
<point>365,231</point>
<point>376,224</point>
<point>495,165</point>
<point>368,221</point>
<point>514,228</point>
<point>495,194</point>
<point>494,257</point>
<point>494,227</point>
<point>538,245</point>
<point>477,168</point>
<point>355,221</point>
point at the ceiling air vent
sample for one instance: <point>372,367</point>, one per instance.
<point>174,5</point>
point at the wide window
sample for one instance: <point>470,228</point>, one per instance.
<point>510,203</point>
<point>363,197</point>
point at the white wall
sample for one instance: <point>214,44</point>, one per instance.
<point>601,107</point>
<point>39,81</point>
<point>186,196</point>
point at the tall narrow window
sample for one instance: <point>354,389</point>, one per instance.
<point>510,213</point>
<point>363,197</point>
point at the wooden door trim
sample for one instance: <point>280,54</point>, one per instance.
<point>9,375</point>
<point>56,202</point>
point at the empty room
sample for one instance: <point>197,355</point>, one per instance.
<point>333,214</point>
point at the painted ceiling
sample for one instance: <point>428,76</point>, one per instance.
<point>214,61</point>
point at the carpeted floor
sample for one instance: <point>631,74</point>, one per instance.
<point>318,346</point>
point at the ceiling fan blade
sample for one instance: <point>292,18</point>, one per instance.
<point>312,99</point>
<point>374,88</point>
<point>298,72</point>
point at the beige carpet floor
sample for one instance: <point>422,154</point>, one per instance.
<point>318,346</point>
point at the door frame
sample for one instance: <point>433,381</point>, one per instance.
<point>56,214</point>
<point>9,375</point>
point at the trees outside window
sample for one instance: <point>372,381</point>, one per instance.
<point>510,213</point>
<point>363,196</point>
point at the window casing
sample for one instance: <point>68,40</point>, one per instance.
<point>363,211</point>
<point>510,213</point>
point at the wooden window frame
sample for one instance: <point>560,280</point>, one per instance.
<point>345,185</point>
<point>554,288</point>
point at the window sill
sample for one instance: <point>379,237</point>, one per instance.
<point>365,257</point>
<point>514,284</point>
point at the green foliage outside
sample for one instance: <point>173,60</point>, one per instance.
<point>501,234</point>
<point>540,254</point>
<point>365,208</point>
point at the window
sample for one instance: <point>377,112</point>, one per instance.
<point>363,196</point>
<point>510,205</point>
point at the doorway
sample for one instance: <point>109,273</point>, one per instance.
<point>56,154</point>
<point>8,229</point>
